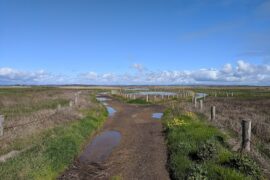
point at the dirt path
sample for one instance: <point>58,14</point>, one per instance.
<point>141,153</point>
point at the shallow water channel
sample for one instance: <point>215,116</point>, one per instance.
<point>110,109</point>
<point>157,93</point>
<point>101,147</point>
<point>103,144</point>
<point>201,95</point>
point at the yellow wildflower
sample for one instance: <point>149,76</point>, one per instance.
<point>190,114</point>
<point>176,122</point>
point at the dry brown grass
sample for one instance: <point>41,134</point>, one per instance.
<point>230,111</point>
<point>29,111</point>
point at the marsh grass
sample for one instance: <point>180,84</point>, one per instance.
<point>53,150</point>
<point>241,92</point>
<point>51,142</point>
<point>22,109</point>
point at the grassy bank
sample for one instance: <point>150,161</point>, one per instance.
<point>53,150</point>
<point>138,101</point>
<point>198,150</point>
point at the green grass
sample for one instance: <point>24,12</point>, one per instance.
<point>138,101</point>
<point>132,101</point>
<point>53,150</point>
<point>23,101</point>
<point>198,150</point>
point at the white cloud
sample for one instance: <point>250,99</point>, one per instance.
<point>227,68</point>
<point>13,76</point>
<point>245,67</point>
<point>242,73</point>
<point>205,75</point>
<point>138,67</point>
<point>90,75</point>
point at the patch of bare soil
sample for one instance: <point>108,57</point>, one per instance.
<point>141,153</point>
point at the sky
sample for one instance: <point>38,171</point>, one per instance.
<point>135,42</point>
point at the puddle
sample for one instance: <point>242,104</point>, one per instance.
<point>157,115</point>
<point>104,93</point>
<point>111,110</point>
<point>136,89</point>
<point>155,93</point>
<point>201,95</point>
<point>102,99</point>
<point>101,147</point>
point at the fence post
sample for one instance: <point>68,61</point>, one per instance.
<point>195,102</point>
<point>76,99</point>
<point>147,98</point>
<point>201,104</point>
<point>59,107</point>
<point>213,113</point>
<point>1,125</point>
<point>70,103</point>
<point>246,135</point>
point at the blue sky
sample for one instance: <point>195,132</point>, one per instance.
<point>135,41</point>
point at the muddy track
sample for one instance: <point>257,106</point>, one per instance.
<point>141,153</point>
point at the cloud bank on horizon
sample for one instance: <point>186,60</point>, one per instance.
<point>243,73</point>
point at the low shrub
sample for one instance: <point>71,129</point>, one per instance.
<point>244,164</point>
<point>197,172</point>
<point>205,151</point>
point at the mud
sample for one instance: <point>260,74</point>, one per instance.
<point>101,147</point>
<point>140,154</point>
